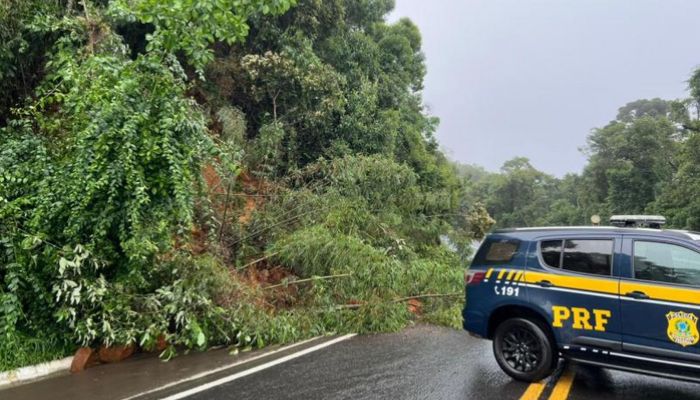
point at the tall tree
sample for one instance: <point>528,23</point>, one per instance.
<point>631,158</point>
<point>678,199</point>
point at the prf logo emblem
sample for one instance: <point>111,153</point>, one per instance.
<point>580,318</point>
<point>682,328</point>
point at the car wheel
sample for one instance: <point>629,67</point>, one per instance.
<point>523,350</point>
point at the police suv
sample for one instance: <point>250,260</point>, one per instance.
<point>622,297</point>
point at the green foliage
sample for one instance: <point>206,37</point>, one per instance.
<point>642,162</point>
<point>99,176</point>
<point>678,199</point>
<point>20,350</point>
<point>519,196</point>
<point>133,145</point>
<point>118,173</point>
<point>381,182</point>
<point>631,159</point>
<point>133,197</point>
<point>186,308</point>
<point>370,279</point>
<point>654,108</point>
<point>191,26</point>
<point>22,49</point>
<point>131,194</point>
<point>352,86</point>
<point>479,221</point>
<point>315,251</point>
<point>265,151</point>
<point>367,237</point>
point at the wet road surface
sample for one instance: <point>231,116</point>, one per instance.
<point>423,362</point>
<point>604,384</point>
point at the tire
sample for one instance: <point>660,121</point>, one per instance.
<point>523,350</point>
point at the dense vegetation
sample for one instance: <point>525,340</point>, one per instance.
<point>218,171</point>
<point>647,160</point>
<point>242,172</point>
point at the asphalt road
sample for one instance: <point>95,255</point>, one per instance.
<point>423,362</point>
<point>427,362</point>
<point>420,363</point>
<point>604,384</point>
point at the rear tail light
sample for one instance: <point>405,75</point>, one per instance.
<point>473,277</point>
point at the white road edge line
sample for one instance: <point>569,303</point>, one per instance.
<point>253,370</point>
<point>219,369</point>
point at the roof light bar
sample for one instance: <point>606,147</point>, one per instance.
<point>637,221</point>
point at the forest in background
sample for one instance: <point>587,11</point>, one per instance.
<point>645,161</point>
<point>206,172</point>
<point>244,172</point>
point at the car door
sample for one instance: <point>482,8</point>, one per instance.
<point>660,297</point>
<point>571,279</point>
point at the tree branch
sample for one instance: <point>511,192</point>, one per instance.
<point>314,278</point>
<point>258,260</point>
<point>400,299</point>
<point>428,295</point>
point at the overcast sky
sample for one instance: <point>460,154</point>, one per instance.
<point>532,78</point>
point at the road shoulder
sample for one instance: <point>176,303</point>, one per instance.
<point>145,376</point>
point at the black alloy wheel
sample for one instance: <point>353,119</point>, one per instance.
<point>523,350</point>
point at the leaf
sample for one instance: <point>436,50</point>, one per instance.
<point>201,339</point>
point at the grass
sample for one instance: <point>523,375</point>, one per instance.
<point>21,351</point>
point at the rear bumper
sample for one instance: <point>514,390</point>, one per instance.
<point>475,323</point>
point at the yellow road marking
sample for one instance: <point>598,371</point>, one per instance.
<point>563,387</point>
<point>533,391</point>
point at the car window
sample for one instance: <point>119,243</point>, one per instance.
<point>591,256</point>
<point>502,250</point>
<point>551,252</point>
<point>666,262</point>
